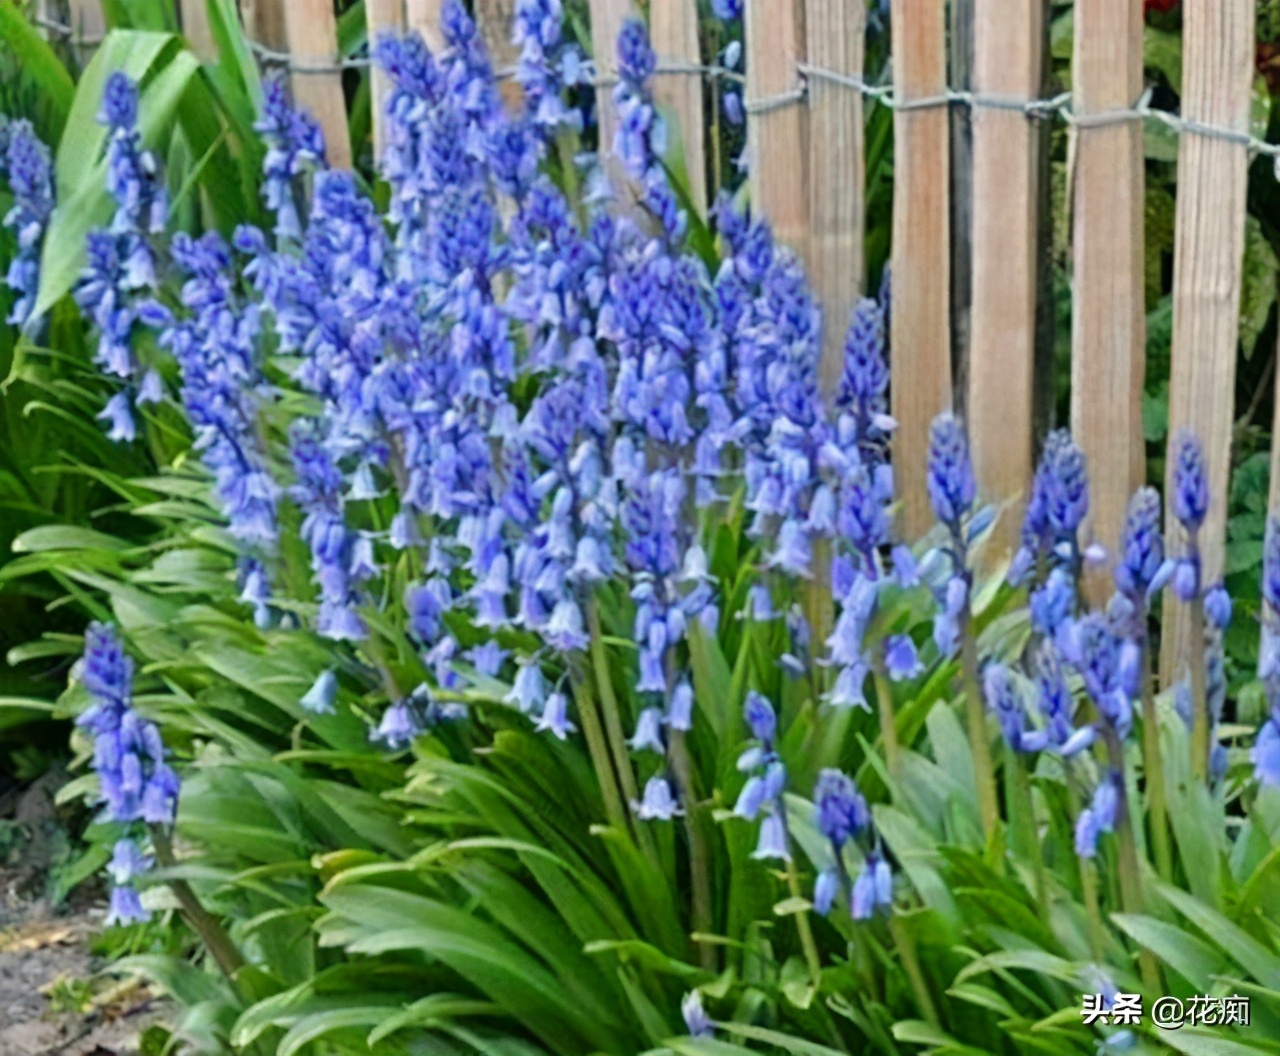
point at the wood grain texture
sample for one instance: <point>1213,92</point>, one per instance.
<point>382,16</point>
<point>607,18</point>
<point>1108,335</point>
<point>921,294</point>
<point>1217,64</point>
<point>1007,57</point>
<point>673,28</point>
<point>495,19</point>
<point>424,16</point>
<point>88,26</point>
<point>777,141</point>
<point>264,22</point>
<point>311,30</point>
<point>195,27</point>
<point>836,34</point>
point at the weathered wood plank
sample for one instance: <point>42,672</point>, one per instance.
<point>673,28</point>
<point>920,326</point>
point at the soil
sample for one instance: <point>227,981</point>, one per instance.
<point>53,1002</point>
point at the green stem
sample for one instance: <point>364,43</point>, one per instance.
<point>1199,694</point>
<point>1154,766</point>
<point>1089,887</point>
<point>911,964</point>
<point>1026,835</point>
<point>983,771</point>
<point>214,936</point>
<point>888,722</point>
<point>806,932</point>
<point>614,733</point>
<point>699,864</point>
<point>593,734</point>
<point>1130,870</point>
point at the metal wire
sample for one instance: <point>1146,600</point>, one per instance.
<point>885,94</point>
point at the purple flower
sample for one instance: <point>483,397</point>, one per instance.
<point>1265,753</point>
<point>119,415</point>
<point>825,889</point>
<point>1098,817</point>
<point>873,889</point>
<point>901,661</point>
<point>840,812</point>
<point>1006,703</point>
<point>125,907</point>
<point>1190,483</point>
<point>24,159</point>
<point>398,727</point>
<point>773,842</point>
<point>1142,546</point>
<point>658,802</point>
<point>951,483</point>
<point>761,718</point>
<point>128,862</point>
<point>1065,485</point>
<point>1217,607</point>
<point>318,700</point>
<point>696,1020</point>
<point>555,717</point>
<point>648,735</point>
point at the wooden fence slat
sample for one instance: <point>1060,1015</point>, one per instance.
<point>836,34</point>
<point>1217,64</point>
<point>311,30</point>
<point>1109,323</point>
<point>88,25</point>
<point>495,19</point>
<point>607,19</point>
<point>1007,57</point>
<point>382,16</point>
<point>424,16</point>
<point>920,324</point>
<point>195,27</point>
<point>673,28</point>
<point>776,138</point>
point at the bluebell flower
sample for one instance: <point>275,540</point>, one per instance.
<point>320,697</point>
<point>1066,485</point>
<point>119,415</point>
<point>696,1020</point>
<point>1005,701</point>
<point>946,625</point>
<point>648,735</point>
<point>760,716</point>
<point>295,143</point>
<point>773,842</point>
<point>727,10</point>
<point>1269,649</point>
<point>1265,753</point>
<point>398,726</point>
<point>1098,817</point>
<point>680,708</point>
<point>555,717</point>
<point>1217,607</point>
<point>1141,561</point>
<point>840,811</point>
<point>825,889</point>
<point>658,802</point>
<point>1054,699</point>
<point>25,161</point>
<point>1190,499</point>
<point>529,691</point>
<point>125,907</point>
<point>487,658</point>
<point>952,487</point>
<point>1053,602</point>
<point>901,661</point>
<point>128,862</point>
<point>873,889</point>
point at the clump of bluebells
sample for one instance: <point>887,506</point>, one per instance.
<point>526,421</point>
<point>25,164</point>
<point>136,785</point>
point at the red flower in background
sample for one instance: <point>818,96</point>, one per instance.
<point>1158,5</point>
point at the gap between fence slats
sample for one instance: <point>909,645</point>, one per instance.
<point>921,295</point>
<point>383,16</point>
<point>196,29</point>
<point>1109,323</point>
<point>1007,57</point>
<point>1218,43</point>
<point>836,34</point>
<point>776,136</point>
<point>88,24</point>
<point>673,29</point>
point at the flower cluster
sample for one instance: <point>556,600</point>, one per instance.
<point>24,162</point>
<point>122,262</point>
<point>136,785</point>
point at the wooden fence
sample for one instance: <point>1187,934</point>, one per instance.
<point>805,99</point>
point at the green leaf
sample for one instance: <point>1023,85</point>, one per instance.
<point>1194,960</point>
<point>1198,1041</point>
<point>38,71</point>
<point>1238,944</point>
<point>65,537</point>
<point>785,1042</point>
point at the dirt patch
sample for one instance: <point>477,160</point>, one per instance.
<point>53,1002</point>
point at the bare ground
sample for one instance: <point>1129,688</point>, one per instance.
<point>52,1001</point>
